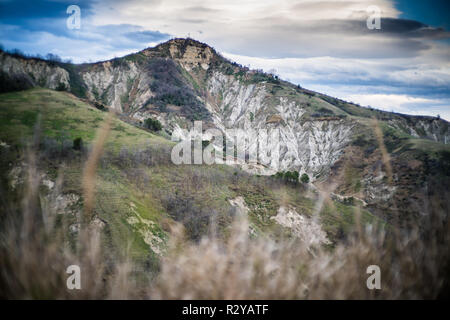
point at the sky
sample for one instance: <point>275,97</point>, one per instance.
<point>323,45</point>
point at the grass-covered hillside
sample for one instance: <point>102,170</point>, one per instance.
<point>62,116</point>
<point>139,193</point>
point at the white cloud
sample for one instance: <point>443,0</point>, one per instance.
<point>403,103</point>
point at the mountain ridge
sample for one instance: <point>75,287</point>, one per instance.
<point>163,50</point>
<point>183,80</point>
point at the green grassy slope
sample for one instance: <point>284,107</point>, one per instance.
<point>62,115</point>
<point>138,190</point>
<point>63,118</point>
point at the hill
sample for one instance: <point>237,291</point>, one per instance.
<point>139,191</point>
<point>333,141</point>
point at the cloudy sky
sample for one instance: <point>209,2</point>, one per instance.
<point>324,45</point>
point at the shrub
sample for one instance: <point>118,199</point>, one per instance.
<point>304,178</point>
<point>13,83</point>
<point>288,176</point>
<point>61,87</point>
<point>152,124</point>
<point>325,111</point>
<point>53,57</point>
<point>291,176</point>
<point>53,150</point>
<point>77,143</point>
<point>205,143</point>
<point>100,106</point>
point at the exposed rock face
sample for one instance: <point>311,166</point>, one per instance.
<point>239,204</point>
<point>34,72</point>
<point>123,87</point>
<point>234,101</point>
<point>192,56</point>
<point>307,146</point>
<point>376,191</point>
<point>146,228</point>
<point>64,202</point>
<point>306,229</point>
<point>424,127</point>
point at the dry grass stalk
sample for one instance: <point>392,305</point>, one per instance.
<point>89,174</point>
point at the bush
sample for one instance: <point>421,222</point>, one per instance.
<point>10,83</point>
<point>100,106</point>
<point>291,176</point>
<point>152,124</point>
<point>288,176</point>
<point>325,111</point>
<point>304,178</point>
<point>77,143</point>
<point>51,149</point>
<point>53,57</point>
<point>61,87</point>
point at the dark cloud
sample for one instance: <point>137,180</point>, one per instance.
<point>401,26</point>
<point>390,27</point>
<point>408,29</point>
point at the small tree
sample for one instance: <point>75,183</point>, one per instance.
<point>61,87</point>
<point>304,178</point>
<point>53,57</point>
<point>291,176</point>
<point>77,143</point>
<point>152,124</point>
<point>279,175</point>
<point>295,176</point>
<point>205,143</point>
<point>100,106</point>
